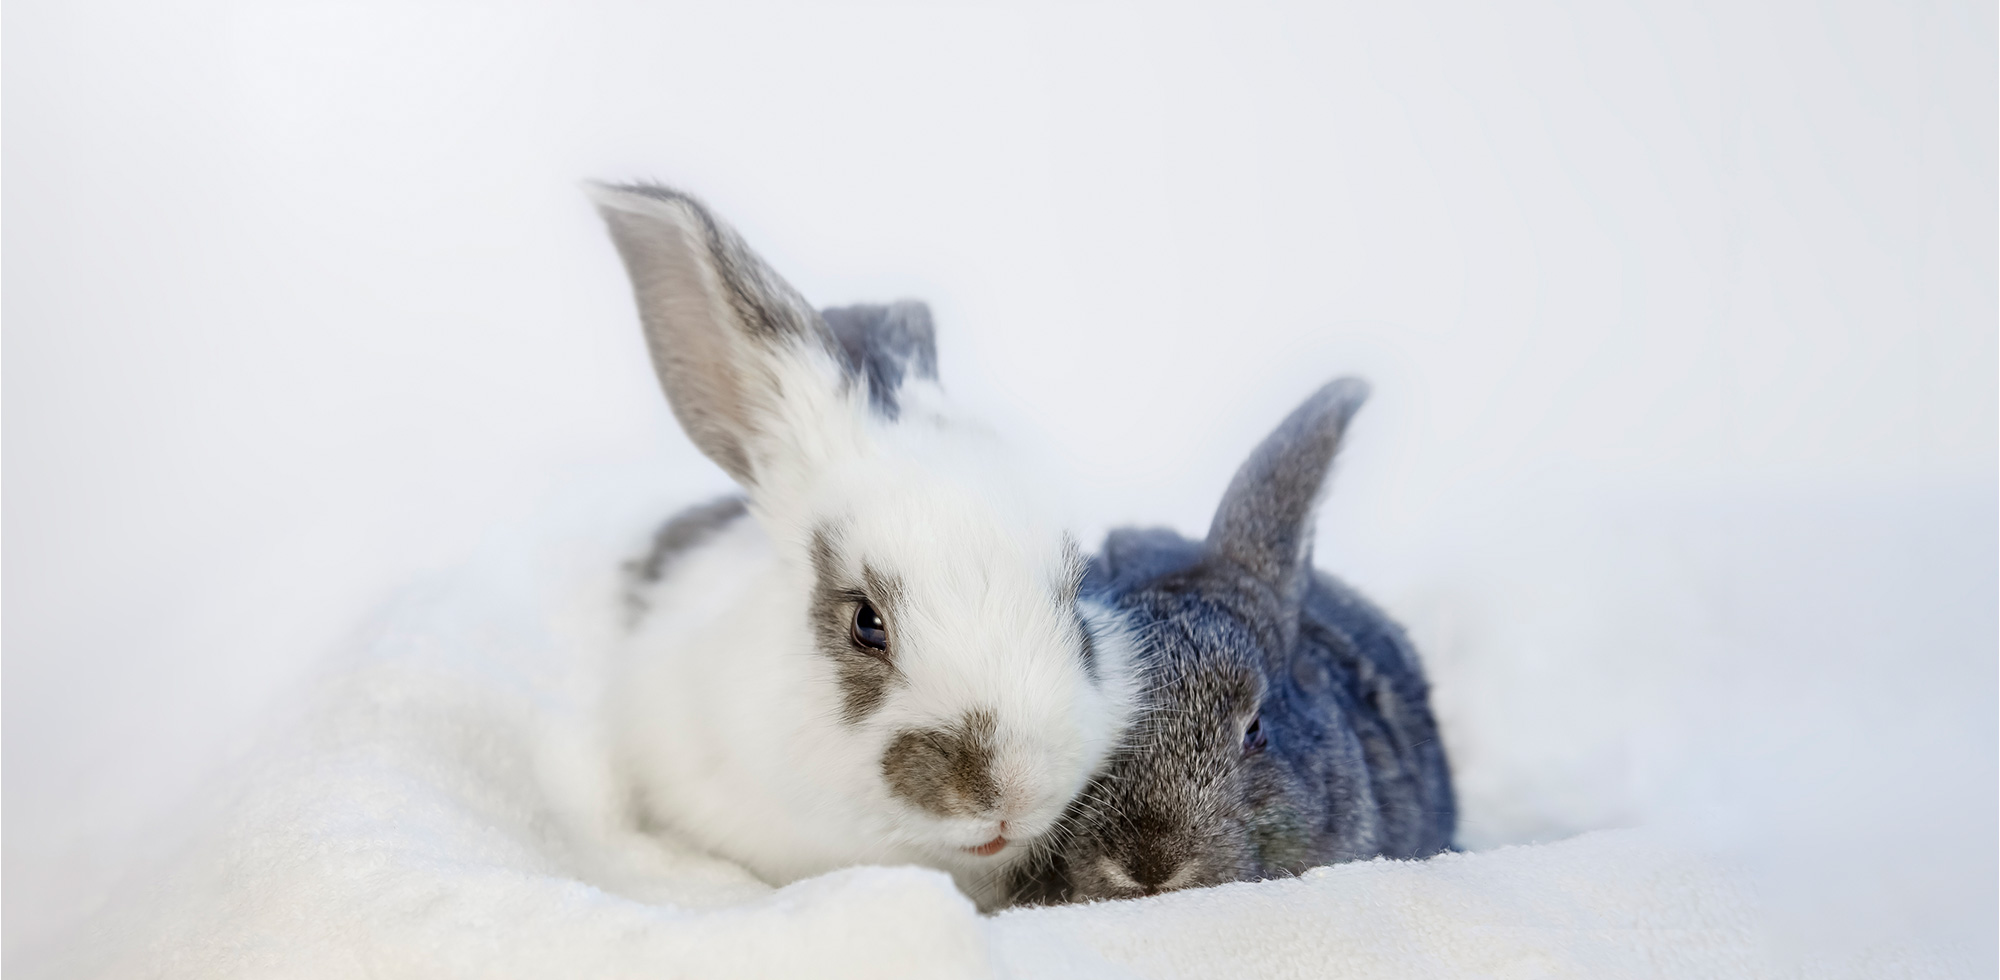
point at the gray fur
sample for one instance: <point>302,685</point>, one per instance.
<point>881,345</point>
<point>681,533</point>
<point>1240,628</point>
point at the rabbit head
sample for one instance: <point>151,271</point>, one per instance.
<point>1228,770</point>
<point>937,693</point>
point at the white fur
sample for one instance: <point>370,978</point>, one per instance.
<point>729,715</point>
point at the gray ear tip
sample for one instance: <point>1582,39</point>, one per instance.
<point>1339,399</point>
<point>914,317</point>
<point>914,312</point>
<point>1264,523</point>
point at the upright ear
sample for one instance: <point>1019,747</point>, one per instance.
<point>881,346</point>
<point>721,326</point>
<point>1265,523</point>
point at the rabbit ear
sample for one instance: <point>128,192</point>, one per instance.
<point>881,345</point>
<point>719,323</point>
<point>1265,523</point>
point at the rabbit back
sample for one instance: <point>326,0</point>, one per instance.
<point>1352,716</point>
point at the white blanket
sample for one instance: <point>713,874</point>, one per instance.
<point>446,811</point>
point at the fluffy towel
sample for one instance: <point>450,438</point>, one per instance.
<point>448,811</point>
<point>1608,904</point>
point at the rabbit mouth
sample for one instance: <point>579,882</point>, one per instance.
<point>993,847</point>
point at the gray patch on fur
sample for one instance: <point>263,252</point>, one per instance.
<point>882,345</point>
<point>682,533</point>
<point>1087,648</point>
<point>1069,595</point>
<point>864,673</point>
<point>946,771</point>
<point>713,396</point>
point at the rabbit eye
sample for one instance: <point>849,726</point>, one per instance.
<point>1253,737</point>
<point>868,629</point>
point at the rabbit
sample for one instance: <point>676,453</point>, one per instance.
<point>1285,722</point>
<point>878,652</point>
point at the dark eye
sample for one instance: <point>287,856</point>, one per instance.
<point>869,630</point>
<point>1253,737</point>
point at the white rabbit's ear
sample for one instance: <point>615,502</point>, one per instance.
<point>882,346</point>
<point>721,326</point>
<point>1265,522</point>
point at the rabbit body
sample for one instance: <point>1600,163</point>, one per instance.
<point>1284,722</point>
<point>880,652</point>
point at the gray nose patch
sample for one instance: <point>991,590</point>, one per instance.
<point>947,771</point>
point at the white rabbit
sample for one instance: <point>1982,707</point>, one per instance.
<point>888,662</point>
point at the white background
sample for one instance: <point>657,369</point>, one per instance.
<point>1681,318</point>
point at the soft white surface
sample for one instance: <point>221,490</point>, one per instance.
<point>1609,904</point>
<point>446,809</point>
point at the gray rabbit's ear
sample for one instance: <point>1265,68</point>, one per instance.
<point>724,331</point>
<point>881,346</point>
<point>1265,523</point>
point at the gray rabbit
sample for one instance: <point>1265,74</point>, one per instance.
<point>1285,721</point>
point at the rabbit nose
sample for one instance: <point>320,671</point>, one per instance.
<point>1152,872</point>
<point>948,770</point>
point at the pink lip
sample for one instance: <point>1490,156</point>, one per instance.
<point>989,848</point>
